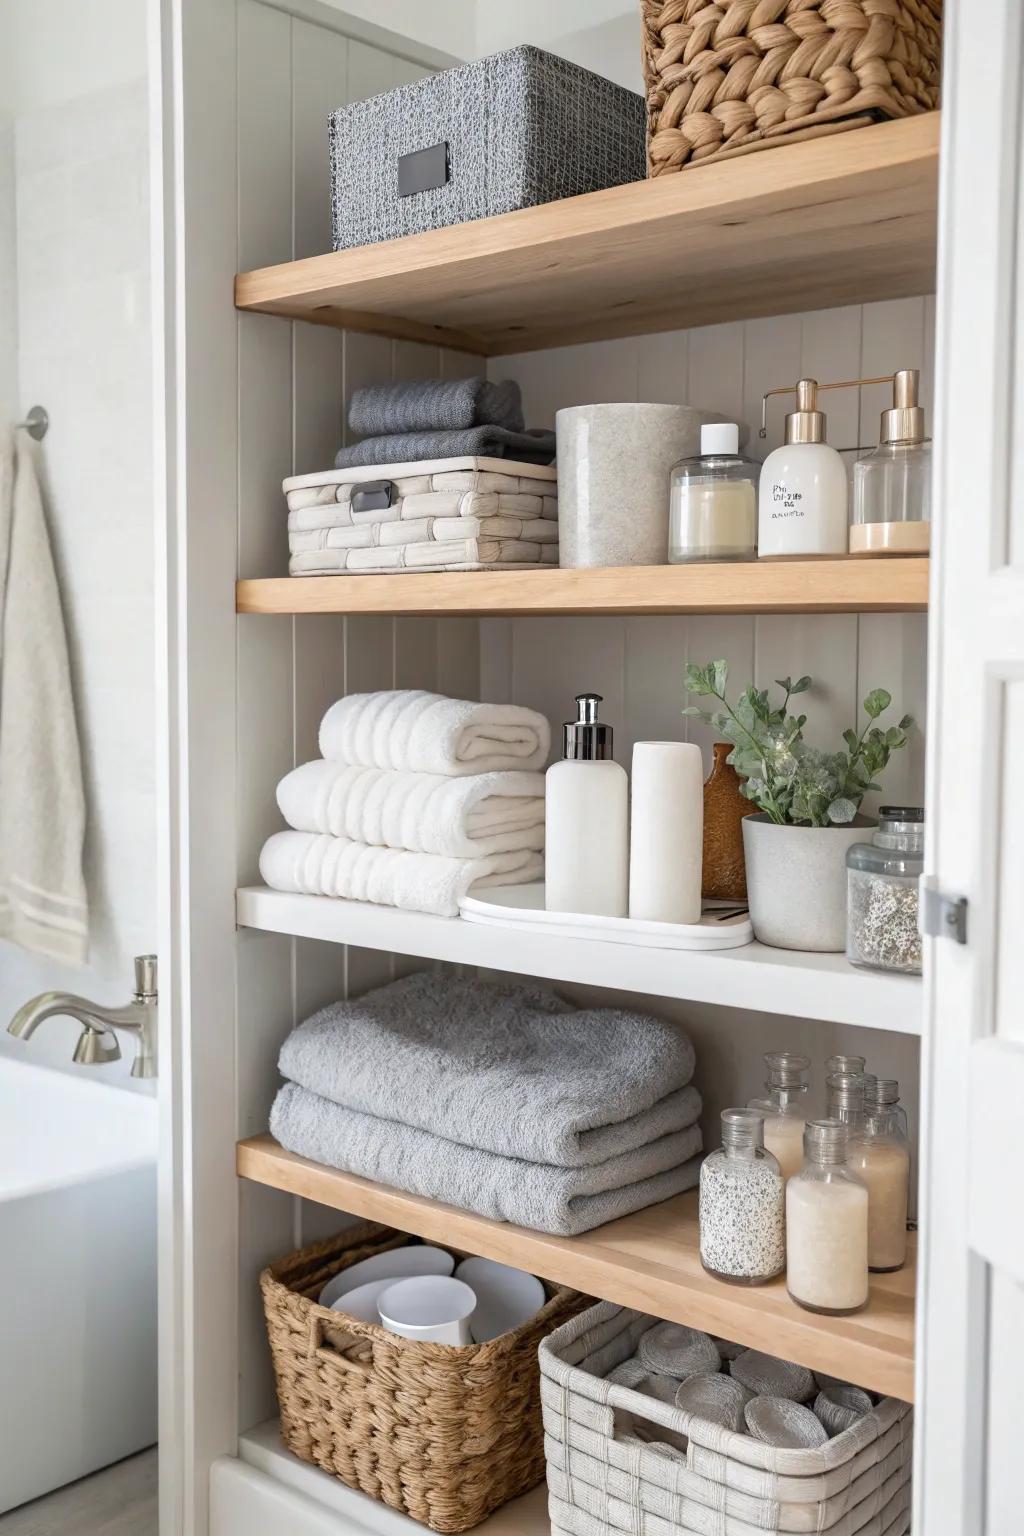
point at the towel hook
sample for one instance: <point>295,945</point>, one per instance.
<point>36,423</point>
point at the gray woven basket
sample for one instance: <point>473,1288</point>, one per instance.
<point>604,1480</point>
<point>521,127</point>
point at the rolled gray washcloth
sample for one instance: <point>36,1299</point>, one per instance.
<point>470,442</point>
<point>506,1068</point>
<point>563,1201</point>
<point>435,405</point>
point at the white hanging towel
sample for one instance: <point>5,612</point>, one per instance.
<point>42,804</point>
<point>409,730</point>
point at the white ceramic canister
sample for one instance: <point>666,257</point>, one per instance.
<point>796,882</point>
<point>614,468</point>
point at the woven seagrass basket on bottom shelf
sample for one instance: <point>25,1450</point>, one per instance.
<point>604,1480</point>
<point>443,1434</point>
<point>736,75</point>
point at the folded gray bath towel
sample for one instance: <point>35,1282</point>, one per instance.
<point>559,1200</point>
<point>506,1068</point>
<point>435,405</point>
<point>414,447</point>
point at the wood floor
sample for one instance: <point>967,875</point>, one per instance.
<point>120,1501</point>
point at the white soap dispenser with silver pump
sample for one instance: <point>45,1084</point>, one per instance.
<point>586,820</point>
<point>802,501</point>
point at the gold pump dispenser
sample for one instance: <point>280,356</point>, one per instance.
<point>904,423</point>
<point>806,424</point>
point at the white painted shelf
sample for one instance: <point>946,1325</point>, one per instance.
<point>789,982</point>
<point>303,1499</point>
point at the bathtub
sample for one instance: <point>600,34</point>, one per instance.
<point>77,1277</point>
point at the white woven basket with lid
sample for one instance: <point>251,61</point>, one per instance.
<point>465,514</point>
<point>603,1480</point>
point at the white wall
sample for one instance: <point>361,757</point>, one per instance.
<point>445,24</point>
<point>602,35</point>
<point>76,81</point>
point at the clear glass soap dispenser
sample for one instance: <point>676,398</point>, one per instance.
<point>892,485</point>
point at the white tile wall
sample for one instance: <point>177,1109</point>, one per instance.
<point>81,225</point>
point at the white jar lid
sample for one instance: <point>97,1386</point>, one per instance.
<point>720,437</point>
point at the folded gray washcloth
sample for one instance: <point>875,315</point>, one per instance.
<point>414,447</point>
<point>563,1201</point>
<point>506,1068</point>
<point>435,405</point>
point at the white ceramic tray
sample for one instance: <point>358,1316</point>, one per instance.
<point>522,907</point>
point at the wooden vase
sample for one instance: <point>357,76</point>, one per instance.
<point>724,875</point>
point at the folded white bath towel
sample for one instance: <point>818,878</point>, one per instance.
<point>316,865</point>
<point>409,730</point>
<point>459,818</point>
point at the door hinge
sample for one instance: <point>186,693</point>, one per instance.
<point>942,916</point>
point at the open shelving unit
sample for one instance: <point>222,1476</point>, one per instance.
<point>650,1261</point>
<point>829,222</point>
<point>835,220</point>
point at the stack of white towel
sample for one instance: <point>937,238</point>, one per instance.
<point>415,800</point>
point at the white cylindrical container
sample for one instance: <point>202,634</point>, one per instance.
<point>614,465</point>
<point>666,832</point>
<point>586,820</point>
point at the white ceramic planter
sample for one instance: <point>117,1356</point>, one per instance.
<point>796,881</point>
<point>613,479</point>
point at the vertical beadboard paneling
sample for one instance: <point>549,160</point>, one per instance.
<point>825,646</point>
<point>554,660</point>
<point>830,347</point>
<point>264,657</point>
<point>726,637</point>
<point>715,361</point>
<point>654,662</point>
<point>320,63</point>
<point>771,360</point>
<point>663,374</point>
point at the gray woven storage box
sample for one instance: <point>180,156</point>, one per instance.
<point>603,1479</point>
<point>521,127</point>
<point>468,514</point>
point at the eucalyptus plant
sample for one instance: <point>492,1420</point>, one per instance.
<point>793,783</point>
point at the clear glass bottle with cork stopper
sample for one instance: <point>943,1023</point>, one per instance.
<point>742,1209</point>
<point>785,1108</point>
<point>892,485</point>
<point>827,1225</point>
<point>713,500</point>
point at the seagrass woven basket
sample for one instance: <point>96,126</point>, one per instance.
<point>443,1434</point>
<point>731,76</point>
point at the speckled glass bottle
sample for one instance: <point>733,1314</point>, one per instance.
<point>742,1205</point>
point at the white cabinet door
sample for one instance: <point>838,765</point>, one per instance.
<point>971,1306</point>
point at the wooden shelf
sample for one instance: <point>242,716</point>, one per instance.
<point>846,584</point>
<point>650,1261</point>
<point>784,981</point>
<point>831,221</point>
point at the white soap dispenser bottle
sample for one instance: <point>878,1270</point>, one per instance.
<point>587,820</point>
<point>803,491</point>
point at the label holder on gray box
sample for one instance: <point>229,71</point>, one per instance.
<point>423,169</point>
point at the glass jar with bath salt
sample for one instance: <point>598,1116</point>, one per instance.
<point>881,1157</point>
<point>845,1101</point>
<point>882,883</point>
<point>785,1108</point>
<point>827,1225</point>
<point>713,500</point>
<point>742,1205</point>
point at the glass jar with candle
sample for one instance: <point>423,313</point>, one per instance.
<point>785,1108</point>
<point>881,1157</point>
<point>882,879</point>
<point>742,1210</point>
<point>713,500</point>
<point>827,1225</point>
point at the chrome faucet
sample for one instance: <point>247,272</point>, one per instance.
<point>98,1041</point>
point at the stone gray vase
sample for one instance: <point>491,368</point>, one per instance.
<point>796,881</point>
<point>614,463</point>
